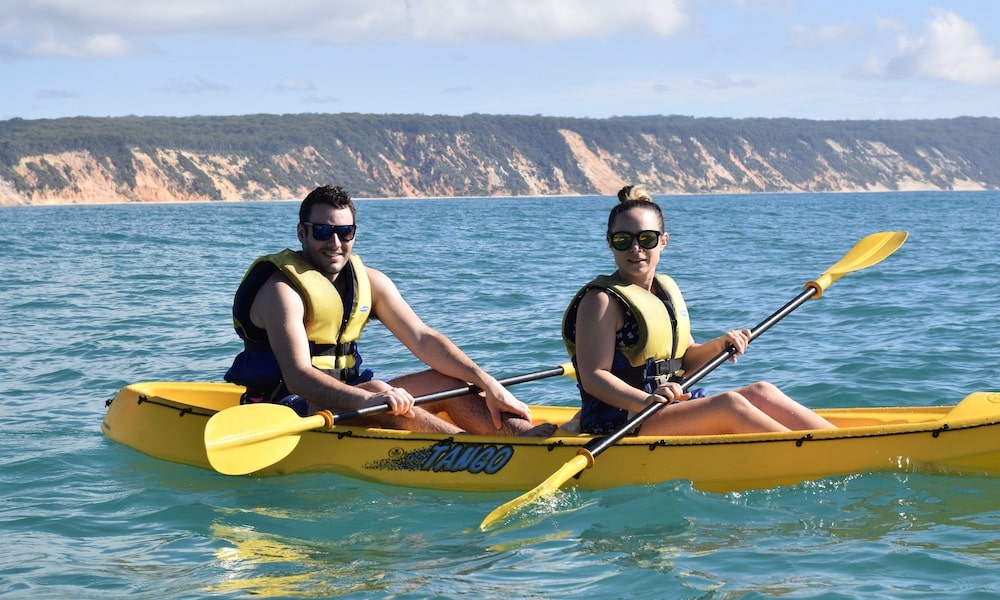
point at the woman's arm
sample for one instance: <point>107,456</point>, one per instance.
<point>598,319</point>
<point>699,354</point>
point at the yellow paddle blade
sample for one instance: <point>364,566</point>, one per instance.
<point>871,250</point>
<point>246,438</point>
<point>551,485</point>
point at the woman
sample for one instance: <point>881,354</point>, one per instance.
<point>617,323</point>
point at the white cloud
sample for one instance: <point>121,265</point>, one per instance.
<point>101,28</point>
<point>885,23</point>
<point>326,100</point>
<point>56,94</point>
<point>805,37</point>
<point>291,84</point>
<point>535,21</point>
<point>775,7</point>
<point>722,82</point>
<point>949,50</point>
<point>86,46</point>
<point>197,85</point>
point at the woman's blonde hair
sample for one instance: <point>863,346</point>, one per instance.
<point>634,196</point>
<point>634,192</point>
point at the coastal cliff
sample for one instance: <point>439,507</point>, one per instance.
<point>281,157</point>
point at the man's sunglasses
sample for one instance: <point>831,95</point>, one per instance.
<point>622,240</point>
<point>322,232</point>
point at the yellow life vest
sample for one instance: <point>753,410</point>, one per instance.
<point>330,329</point>
<point>657,339</point>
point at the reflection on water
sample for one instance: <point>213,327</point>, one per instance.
<point>276,566</point>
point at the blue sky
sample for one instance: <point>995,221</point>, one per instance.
<point>818,59</point>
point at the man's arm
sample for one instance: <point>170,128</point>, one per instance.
<point>280,310</point>
<point>435,349</point>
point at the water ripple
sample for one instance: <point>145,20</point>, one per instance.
<point>131,293</point>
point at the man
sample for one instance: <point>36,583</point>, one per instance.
<point>300,315</point>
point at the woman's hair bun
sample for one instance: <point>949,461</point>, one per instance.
<point>634,192</point>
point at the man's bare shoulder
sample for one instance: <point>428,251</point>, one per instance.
<point>380,282</point>
<point>276,296</point>
<point>277,281</point>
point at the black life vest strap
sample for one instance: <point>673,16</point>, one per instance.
<point>659,368</point>
<point>658,372</point>
<point>343,349</point>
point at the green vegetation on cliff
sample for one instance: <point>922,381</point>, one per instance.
<point>264,156</point>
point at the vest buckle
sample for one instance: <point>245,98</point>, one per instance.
<point>659,372</point>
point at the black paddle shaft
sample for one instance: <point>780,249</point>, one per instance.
<point>444,395</point>
<point>601,444</point>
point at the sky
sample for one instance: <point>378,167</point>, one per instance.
<point>810,59</point>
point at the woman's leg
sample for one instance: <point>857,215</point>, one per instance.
<point>728,412</point>
<point>771,400</point>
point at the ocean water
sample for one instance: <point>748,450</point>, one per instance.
<point>96,297</point>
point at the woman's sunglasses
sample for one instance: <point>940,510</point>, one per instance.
<point>322,232</point>
<point>622,240</point>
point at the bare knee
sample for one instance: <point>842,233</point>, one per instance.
<point>731,402</point>
<point>761,389</point>
<point>731,399</point>
<point>735,413</point>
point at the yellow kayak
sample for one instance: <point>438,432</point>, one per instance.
<point>167,420</point>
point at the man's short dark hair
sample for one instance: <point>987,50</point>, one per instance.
<point>334,195</point>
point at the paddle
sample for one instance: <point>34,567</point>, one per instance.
<point>249,437</point>
<point>869,251</point>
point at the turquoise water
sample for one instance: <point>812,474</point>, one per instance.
<point>95,297</point>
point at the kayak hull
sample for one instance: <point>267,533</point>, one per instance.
<point>167,420</point>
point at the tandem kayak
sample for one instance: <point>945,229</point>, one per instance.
<point>167,420</point>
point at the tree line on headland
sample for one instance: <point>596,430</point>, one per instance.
<point>281,157</point>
